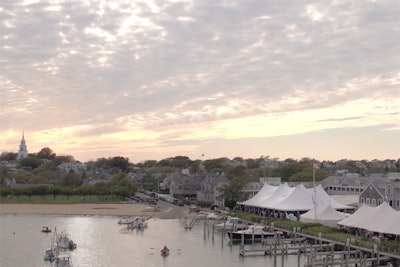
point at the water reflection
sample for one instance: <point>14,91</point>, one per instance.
<point>102,242</point>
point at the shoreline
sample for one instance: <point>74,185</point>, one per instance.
<point>86,209</point>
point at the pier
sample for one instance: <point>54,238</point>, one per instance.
<point>317,250</point>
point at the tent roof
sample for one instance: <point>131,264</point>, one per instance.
<point>287,198</point>
<point>386,219</point>
<point>325,213</point>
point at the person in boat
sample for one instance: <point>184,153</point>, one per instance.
<point>165,250</point>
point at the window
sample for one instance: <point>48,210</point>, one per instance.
<point>362,200</point>
<point>373,202</point>
<point>367,201</point>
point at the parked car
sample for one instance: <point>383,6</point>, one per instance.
<point>194,208</point>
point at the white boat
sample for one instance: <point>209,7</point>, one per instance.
<point>127,220</point>
<point>232,224</point>
<point>253,232</point>
<point>63,260</point>
<point>64,242</point>
<point>50,254</point>
<point>140,223</point>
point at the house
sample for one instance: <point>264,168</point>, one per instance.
<point>68,167</point>
<point>185,186</point>
<point>348,184</point>
<point>210,188</point>
<point>135,179</point>
<point>376,192</point>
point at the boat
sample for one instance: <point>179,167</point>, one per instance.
<point>127,220</point>
<point>253,232</point>
<point>232,224</point>
<point>140,223</point>
<point>50,254</point>
<point>165,251</point>
<point>64,242</point>
<point>63,260</point>
<point>46,229</point>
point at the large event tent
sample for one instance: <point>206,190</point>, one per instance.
<point>326,215</point>
<point>284,200</point>
<point>385,220</point>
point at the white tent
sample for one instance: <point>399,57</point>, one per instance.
<point>382,219</point>
<point>285,198</point>
<point>262,195</point>
<point>326,215</point>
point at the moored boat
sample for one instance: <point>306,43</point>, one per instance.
<point>46,229</point>
<point>63,260</point>
<point>253,232</point>
<point>140,222</point>
<point>232,224</point>
<point>64,242</point>
<point>50,254</point>
<point>126,220</point>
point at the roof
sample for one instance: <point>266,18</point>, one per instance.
<point>285,198</point>
<point>386,219</point>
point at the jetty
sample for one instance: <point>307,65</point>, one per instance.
<point>317,251</point>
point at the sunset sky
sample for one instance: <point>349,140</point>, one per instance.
<point>157,79</point>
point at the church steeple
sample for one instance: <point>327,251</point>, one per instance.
<point>22,151</point>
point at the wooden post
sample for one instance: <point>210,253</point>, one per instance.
<point>298,257</point>
<point>213,230</point>
<point>252,235</point>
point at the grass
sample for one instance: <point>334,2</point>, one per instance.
<point>60,199</point>
<point>330,233</point>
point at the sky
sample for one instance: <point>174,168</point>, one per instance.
<point>149,80</point>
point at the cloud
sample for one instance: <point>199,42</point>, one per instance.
<point>184,69</point>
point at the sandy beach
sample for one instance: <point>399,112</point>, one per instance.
<point>128,209</point>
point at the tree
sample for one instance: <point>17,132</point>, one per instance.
<point>7,156</point>
<point>119,162</point>
<point>31,161</point>
<point>46,153</point>
<point>23,177</point>
<point>72,179</point>
<point>232,192</point>
<point>61,159</point>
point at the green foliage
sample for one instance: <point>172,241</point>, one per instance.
<point>232,192</point>
<point>7,156</point>
<point>31,161</point>
<point>23,177</point>
<point>46,153</point>
<point>72,179</point>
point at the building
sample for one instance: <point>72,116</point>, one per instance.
<point>210,189</point>
<point>22,151</point>
<point>67,167</point>
<point>379,191</point>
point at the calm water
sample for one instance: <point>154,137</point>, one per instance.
<point>102,242</point>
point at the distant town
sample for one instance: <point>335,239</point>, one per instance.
<point>220,182</point>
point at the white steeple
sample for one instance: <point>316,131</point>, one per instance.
<point>22,152</point>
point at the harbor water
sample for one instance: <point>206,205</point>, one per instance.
<point>102,242</point>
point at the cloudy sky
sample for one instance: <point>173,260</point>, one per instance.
<point>223,78</point>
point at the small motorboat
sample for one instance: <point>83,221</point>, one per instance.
<point>126,220</point>
<point>50,254</point>
<point>140,222</point>
<point>64,242</point>
<point>63,260</point>
<point>165,251</point>
<point>46,229</point>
